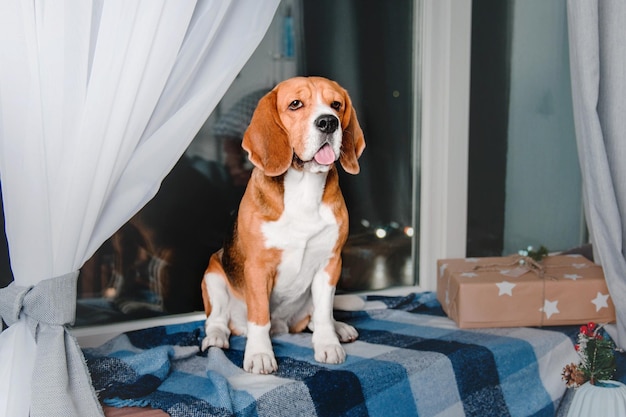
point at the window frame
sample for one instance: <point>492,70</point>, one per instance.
<point>441,120</point>
<point>445,78</point>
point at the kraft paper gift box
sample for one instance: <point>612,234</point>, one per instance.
<point>502,292</point>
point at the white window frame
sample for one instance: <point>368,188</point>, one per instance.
<point>443,115</point>
<point>445,80</point>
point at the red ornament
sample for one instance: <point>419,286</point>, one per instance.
<point>584,330</point>
<point>591,326</point>
<point>577,347</point>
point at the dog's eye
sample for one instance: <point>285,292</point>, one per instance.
<point>295,105</point>
<point>335,105</point>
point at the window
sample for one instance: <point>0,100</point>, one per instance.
<point>154,264</point>
<point>524,178</point>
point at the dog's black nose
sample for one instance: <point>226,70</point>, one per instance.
<point>327,123</point>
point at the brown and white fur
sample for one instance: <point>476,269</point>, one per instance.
<point>278,273</point>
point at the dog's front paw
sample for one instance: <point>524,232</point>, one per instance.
<point>215,337</point>
<point>331,353</point>
<point>345,332</point>
<point>260,363</point>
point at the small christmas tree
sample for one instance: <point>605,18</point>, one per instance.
<point>597,357</point>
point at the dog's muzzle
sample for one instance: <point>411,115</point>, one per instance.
<point>327,124</point>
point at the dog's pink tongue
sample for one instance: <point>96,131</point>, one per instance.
<point>325,156</point>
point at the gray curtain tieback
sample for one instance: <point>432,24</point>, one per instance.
<point>52,301</point>
<point>60,370</point>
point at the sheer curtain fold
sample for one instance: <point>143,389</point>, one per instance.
<point>98,100</point>
<point>598,61</point>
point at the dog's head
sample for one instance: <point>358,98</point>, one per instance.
<point>304,122</point>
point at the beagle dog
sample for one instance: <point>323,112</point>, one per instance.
<point>279,270</point>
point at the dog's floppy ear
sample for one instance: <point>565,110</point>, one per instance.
<point>353,142</point>
<point>266,140</point>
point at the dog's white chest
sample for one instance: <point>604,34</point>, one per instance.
<point>306,233</point>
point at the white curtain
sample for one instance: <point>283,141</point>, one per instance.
<point>598,66</point>
<point>98,100</point>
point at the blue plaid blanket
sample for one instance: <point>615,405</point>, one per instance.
<point>409,360</point>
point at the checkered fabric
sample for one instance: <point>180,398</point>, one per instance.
<point>409,360</point>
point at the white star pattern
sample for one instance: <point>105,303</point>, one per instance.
<point>550,308</point>
<point>469,274</point>
<point>600,301</point>
<point>505,287</point>
<point>442,268</point>
<point>579,266</point>
<point>573,277</point>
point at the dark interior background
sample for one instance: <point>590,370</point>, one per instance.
<point>488,126</point>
